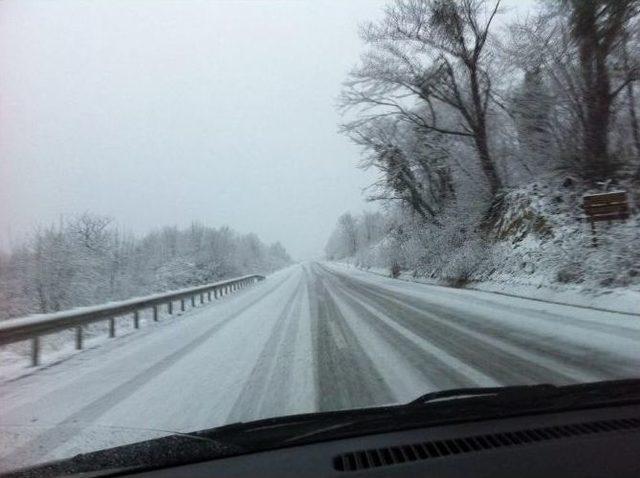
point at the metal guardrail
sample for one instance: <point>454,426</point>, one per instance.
<point>35,326</point>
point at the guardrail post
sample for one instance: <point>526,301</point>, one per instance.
<point>79,337</point>
<point>35,351</point>
<point>112,311</point>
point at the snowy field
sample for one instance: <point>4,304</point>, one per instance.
<point>310,337</point>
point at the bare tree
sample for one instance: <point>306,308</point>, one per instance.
<point>631,63</point>
<point>631,103</point>
<point>91,231</point>
<point>87,261</point>
<point>541,43</point>
<point>414,168</point>
<point>432,51</point>
<point>598,28</point>
<point>580,45</point>
<point>531,107</point>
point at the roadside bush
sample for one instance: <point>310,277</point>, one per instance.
<point>572,273</point>
<point>464,264</point>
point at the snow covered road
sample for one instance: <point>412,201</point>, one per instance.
<point>311,337</point>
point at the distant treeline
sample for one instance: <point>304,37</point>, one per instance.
<point>87,260</point>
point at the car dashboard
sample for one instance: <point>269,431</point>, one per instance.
<point>601,442</point>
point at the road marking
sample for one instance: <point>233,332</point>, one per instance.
<point>338,338</point>
<point>471,372</point>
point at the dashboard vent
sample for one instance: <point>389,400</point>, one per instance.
<point>395,455</point>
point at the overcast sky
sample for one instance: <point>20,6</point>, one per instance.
<point>166,112</point>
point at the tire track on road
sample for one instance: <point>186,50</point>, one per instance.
<point>486,352</point>
<point>614,330</point>
<point>568,355</point>
<point>261,394</point>
<point>65,430</point>
<point>435,370</point>
<point>346,377</point>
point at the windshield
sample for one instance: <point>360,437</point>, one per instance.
<point>218,212</point>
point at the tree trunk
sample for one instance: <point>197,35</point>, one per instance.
<point>633,116</point>
<point>596,141</point>
<point>635,128</point>
<point>480,136</point>
<point>486,162</point>
<point>594,47</point>
<point>415,198</point>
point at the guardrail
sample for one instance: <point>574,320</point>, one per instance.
<point>34,327</point>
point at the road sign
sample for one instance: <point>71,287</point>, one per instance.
<point>605,207</point>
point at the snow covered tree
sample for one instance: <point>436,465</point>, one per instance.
<point>86,260</point>
<point>598,30</point>
<point>435,53</point>
<point>532,107</point>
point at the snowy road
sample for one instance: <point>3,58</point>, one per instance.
<point>311,337</point>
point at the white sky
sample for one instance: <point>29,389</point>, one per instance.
<point>166,112</point>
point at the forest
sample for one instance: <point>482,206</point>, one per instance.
<point>87,260</point>
<point>486,131</point>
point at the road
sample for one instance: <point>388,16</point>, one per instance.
<point>311,337</point>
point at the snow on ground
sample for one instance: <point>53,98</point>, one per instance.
<point>59,346</point>
<point>616,299</point>
<point>133,382</point>
<point>310,337</point>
